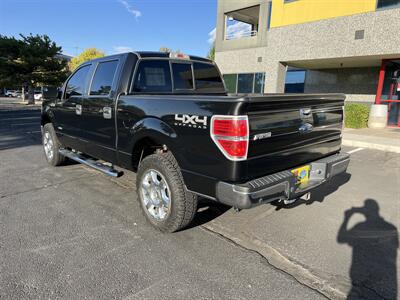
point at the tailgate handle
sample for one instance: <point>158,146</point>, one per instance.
<point>305,112</point>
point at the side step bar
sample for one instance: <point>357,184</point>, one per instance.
<point>91,163</point>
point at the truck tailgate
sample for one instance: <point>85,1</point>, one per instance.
<point>297,128</point>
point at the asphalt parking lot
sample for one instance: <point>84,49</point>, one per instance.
<point>71,232</point>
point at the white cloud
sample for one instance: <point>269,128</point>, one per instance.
<point>238,29</point>
<point>235,30</point>
<point>122,49</point>
<point>211,36</point>
<point>67,53</point>
<point>136,13</point>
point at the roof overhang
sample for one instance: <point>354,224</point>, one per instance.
<point>342,62</point>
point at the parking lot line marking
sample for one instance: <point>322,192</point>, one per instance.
<point>355,150</point>
<point>24,124</point>
<point>20,118</point>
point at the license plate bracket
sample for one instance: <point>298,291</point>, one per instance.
<point>302,174</point>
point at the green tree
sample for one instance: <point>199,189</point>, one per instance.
<point>211,53</point>
<point>10,49</point>
<point>87,54</point>
<point>30,62</point>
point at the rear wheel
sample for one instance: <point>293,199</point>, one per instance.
<point>51,146</point>
<point>166,204</point>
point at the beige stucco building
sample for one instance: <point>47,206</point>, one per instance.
<point>311,46</point>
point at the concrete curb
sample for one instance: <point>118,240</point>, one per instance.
<point>389,147</point>
<point>37,103</point>
<point>331,286</point>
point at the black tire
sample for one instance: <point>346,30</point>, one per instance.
<point>56,158</point>
<point>183,204</point>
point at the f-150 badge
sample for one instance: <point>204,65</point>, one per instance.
<point>262,136</point>
<point>191,121</point>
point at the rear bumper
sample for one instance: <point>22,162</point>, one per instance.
<point>281,185</point>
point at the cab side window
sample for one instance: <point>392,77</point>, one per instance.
<point>183,76</point>
<point>207,78</point>
<point>103,78</point>
<point>153,76</point>
<point>76,84</point>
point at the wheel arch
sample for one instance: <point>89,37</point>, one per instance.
<point>45,118</point>
<point>143,148</point>
<point>46,115</point>
<point>149,136</point>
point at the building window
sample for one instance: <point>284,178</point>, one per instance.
<point>388,3</point>
<point>389,90</point>
<point>231,83</point>
<point>269,15</point>
<point>242,23</point>
<point>259,79</point>
<point>246,83</point>
<point>294,82</point>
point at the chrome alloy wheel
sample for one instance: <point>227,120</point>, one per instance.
<point>48,145</point>
<point>155,195</point>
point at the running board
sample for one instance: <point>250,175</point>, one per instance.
<point>91,163</point>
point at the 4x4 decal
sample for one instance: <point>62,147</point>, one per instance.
<point>191,121</point>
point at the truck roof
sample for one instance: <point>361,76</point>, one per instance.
<point>154,54</point>
<point>167,54</point>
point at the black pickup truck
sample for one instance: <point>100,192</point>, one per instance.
<point>169,118</point>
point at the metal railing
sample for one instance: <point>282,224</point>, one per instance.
<point>240,34</point>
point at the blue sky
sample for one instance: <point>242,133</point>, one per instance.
<point>114,25</point>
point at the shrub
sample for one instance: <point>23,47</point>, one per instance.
<point>356,115</point>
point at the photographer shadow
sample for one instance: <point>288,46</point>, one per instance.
<point>373,270</point>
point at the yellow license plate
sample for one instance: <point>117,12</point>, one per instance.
<point>302,174</point>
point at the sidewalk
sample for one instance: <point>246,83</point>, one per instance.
<point>10,103</point>
<point>387,139</point>
<point>342,242</point>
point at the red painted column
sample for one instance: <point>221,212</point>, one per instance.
<point>380,82</point>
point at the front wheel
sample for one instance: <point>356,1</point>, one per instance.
<point>166,204</point>
<point>51,146</point>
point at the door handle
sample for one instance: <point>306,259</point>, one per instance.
<point>78,109</point>
<point>305,112</point>
<point>305,128</point>
<point>107,112</point>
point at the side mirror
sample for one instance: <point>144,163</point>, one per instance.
<point>59,95</point>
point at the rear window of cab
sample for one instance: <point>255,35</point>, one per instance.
<point>158,76</point>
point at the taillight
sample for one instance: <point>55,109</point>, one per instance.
<point>231,135</point>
